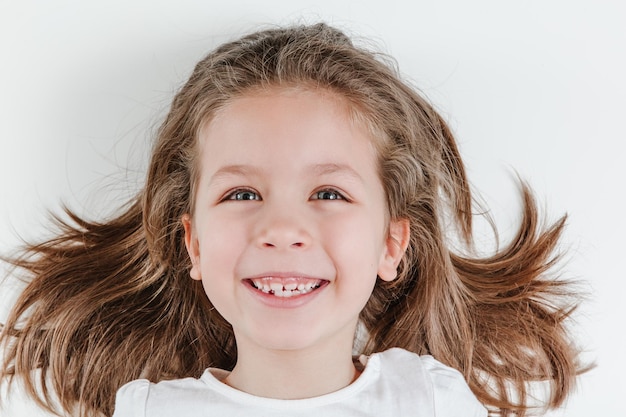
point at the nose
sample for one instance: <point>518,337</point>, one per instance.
<point>282,228</point>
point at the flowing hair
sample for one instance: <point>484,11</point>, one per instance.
<point>112,301</point>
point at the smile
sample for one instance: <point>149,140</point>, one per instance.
<point>286,287</point>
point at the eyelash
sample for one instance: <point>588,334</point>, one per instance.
<point>337,194</point>
<point>232,195</point>
<point>236,194</point>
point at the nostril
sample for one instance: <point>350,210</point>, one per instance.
<point>293,245</point>
<point>282,236</point>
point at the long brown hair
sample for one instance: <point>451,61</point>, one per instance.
<point>108,302</point>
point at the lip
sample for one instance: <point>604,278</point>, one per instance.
<point>293,301</point>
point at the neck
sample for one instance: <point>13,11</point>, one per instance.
<point>292,374</point>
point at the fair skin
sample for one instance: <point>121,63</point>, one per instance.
<point>288,235</point>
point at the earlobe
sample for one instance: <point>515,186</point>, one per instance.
<point>191,243</point>
<point>395,246</point>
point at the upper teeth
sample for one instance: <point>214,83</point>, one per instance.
<point>288,288</point>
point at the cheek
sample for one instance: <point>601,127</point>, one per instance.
<point>220,248</point>
<point>218,260</point>
<point>357,241</point>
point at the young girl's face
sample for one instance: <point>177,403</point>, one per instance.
<point>289,229</point>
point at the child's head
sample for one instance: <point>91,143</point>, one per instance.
<point>289,228</point>
<point>416,158</point>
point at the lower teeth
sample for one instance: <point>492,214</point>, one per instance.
<point>287,293</point>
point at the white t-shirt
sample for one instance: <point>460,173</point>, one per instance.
<point>394,383</point>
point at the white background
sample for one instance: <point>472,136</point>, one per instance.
<point>536,87</point>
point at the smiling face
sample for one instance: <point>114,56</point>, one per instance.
<point>289,229</point>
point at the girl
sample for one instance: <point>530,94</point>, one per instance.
<point>296,197</point>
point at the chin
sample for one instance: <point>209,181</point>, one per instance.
<point>287,340</point>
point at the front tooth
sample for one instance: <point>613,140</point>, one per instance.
<point>276,287</point>
<point>291,286</point>
<point>301,287</point>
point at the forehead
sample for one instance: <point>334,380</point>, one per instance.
<point>347,109</point>
<point>315,118</point>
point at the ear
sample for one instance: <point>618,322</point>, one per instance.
<point>395,245</point>
<point>193,248</point>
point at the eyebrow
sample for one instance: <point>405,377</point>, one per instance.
<point>234,170</point>
<point>331,168</point>
<point>316,169</point>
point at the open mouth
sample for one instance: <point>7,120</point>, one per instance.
<point>286,287</point>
